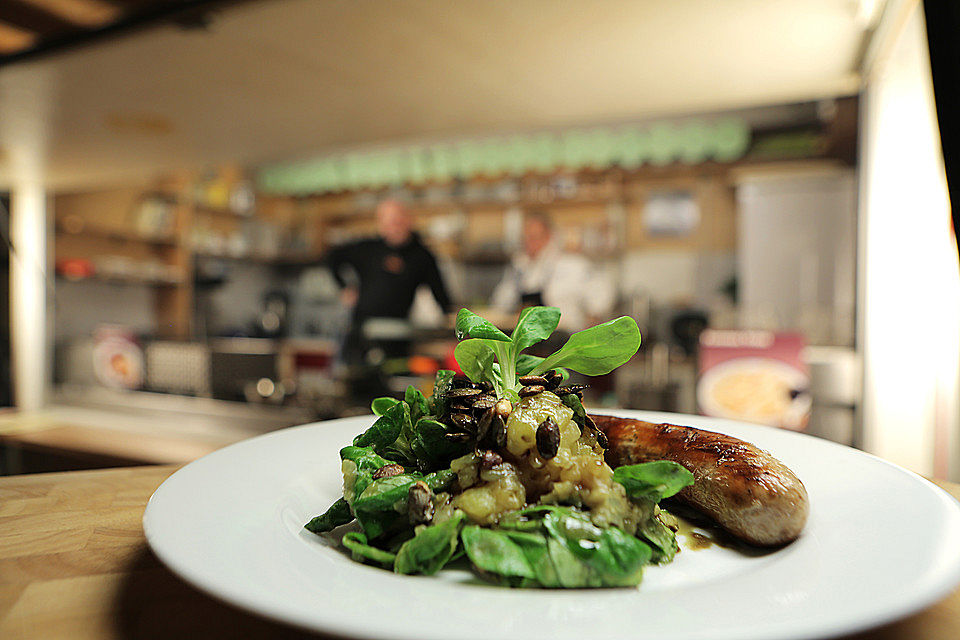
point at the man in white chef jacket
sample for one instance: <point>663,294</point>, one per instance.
<point>543,273</point>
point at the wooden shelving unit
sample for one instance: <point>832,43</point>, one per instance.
<point>200,209</point>
<point>119,235</point>
<point>609,205</point>
<point>284,260</point>
<point>101,228</point>
<point>128,280</point>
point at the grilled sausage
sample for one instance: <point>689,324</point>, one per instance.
<point>744,489</point>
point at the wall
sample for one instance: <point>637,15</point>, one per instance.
<point>128,305</point>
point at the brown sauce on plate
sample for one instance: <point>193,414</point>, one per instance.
<point>696,532</point>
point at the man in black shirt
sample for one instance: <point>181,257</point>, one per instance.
<point>389,268</point>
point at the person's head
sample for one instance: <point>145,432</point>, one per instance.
<point>394,223</point>
<point>537,232</point>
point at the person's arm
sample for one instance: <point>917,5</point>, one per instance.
<point>435,281</point>
<point>338,258</point>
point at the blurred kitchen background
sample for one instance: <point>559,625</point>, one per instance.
<point>752,181</point>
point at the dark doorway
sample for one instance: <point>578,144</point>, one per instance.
<point>6,389</point>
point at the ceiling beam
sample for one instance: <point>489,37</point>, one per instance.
<point>152,14</point>
<point>13,39</point>
<point>85,13</point>
<point>25,16</point>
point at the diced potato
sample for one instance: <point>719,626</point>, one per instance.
<point>466,469</point>
<point>349,470</point>
<point>501,492</point>
<point>523,423</point>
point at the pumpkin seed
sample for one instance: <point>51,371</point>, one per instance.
<point>388,471</point>
<point>463,393</point>
<point>597,433</point>
<point>483,424</point>
<point>420,503</point>
<point>484,402</point>
<point>464,422</point>
<point>498,432</point>
<point>553,378</point>
<point>489,459</point>
<point>467,383</point>
<point>548,438</point>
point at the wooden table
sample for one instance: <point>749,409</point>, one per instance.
<point>74,564</point>
<point>164,430</point>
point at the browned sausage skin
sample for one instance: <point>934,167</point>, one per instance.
<point>747,491</point>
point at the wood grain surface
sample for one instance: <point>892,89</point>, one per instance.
<point>74,565</point>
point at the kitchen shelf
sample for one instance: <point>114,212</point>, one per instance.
<point>217,211</point>
<point>290,260</point>
<point>119,235</point>
<point>124,280</point>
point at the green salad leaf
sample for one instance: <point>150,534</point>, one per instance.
<point>661,538</point>
<point>379,505</point>
<point>487,354</point>
<point>536,550</point>
<point>534,325</point>
<point>494,551</point>
<point>527,363</point>
<point>549,546</point>
<point>573,401</point>
<point>417,402</point>
<point>598,350</point>
<point>338,514</point>
<point>441,385</point>
<point>470,325</point>
<point>367,461</point>
<point>380,406</point>
<point>476,358</point>
<point>385,431</point>
<point>440,480</point>
<point>614,558</point>
<point>432,548</point>
<point>381,508</point>
<point>653,481</point>
<point>361,550</point>
<point>430,446</point>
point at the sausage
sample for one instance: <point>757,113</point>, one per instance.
<point>744,489</point>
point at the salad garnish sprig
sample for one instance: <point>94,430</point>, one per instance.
<point>485,353</point>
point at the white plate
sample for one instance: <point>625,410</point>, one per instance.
<point>781,377</point>
<point>880,544</point>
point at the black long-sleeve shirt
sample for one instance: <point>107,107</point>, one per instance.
<point>389,276</point>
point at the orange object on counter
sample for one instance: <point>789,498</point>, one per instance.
<point>75,268</point>
<point>422,365</point>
